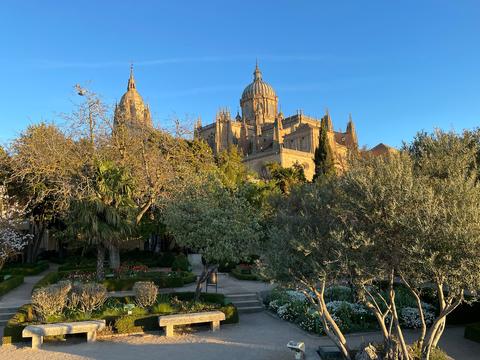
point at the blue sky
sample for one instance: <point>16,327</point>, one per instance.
<point>397,66</point>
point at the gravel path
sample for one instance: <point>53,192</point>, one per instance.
<point>257,336</point>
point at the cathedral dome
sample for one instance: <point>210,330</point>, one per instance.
<point>131,108</point>
<point>258,87</point>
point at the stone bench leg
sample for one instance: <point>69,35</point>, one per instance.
<point>91,336</point>
<point>37,342</point>
<point>169,331</point>
<point>215,325</point>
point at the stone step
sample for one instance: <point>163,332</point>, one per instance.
<point>250,309</point>
<point>241,297</point>
<point>246,302</point>
<point>8,310</point>
<point>6,316</point>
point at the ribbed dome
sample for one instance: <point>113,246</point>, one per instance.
<point>131,107</point>
<point>258,87</point>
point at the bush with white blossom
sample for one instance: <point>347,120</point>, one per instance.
<point>293,306</point>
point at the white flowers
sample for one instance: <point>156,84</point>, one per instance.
<point>410,317</point>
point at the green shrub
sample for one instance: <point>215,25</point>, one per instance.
<point>189,277</point>
<point>10,284</point>
<point>12,332</point>
<point>214,298</point>
<point>162,308</point>
<point>339,292</point>
<point>472,332</point>
<point>166,260</point>
<point>181,263</point>
<point>161,281</point>
<point>25,269</point>
<point>241,275</point>
<point>231,314</point>
<point>136,323</point>
<point>50,278</point>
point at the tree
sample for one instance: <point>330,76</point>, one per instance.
<point>323,157</point>
<point>214,222</point>
<point>286,178</point>
<point>39,171</point>
<point>102,218</point>
<point>12,241</point>
<point>447,222</point>
<point>233,173</point>
<point>375,199</point>
<point>302,253</point>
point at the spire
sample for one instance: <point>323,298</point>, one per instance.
<point>328,119</point>
<point>131,80</point>
<point>351,131</point>
<point>257,75</point>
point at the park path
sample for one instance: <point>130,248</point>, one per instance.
<point>11,301</point>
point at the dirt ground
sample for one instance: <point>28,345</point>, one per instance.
<point>257,336</point>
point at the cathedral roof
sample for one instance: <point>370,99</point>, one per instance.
<point>258,87</point>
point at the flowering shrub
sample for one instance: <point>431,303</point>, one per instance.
<point>86,298</point>
<point>80,276</point>
<point>128,270</point>
<point>410,317</point>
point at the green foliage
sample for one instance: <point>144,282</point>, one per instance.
<point>286,178</point>
<point>214,222</point>
<point>10,284</point>
<point>50,278</point>
<point>12,332</point>
<point>323,157</point>
<point>237,273</point>
<point>232,170</point>
<point>166,259</point>
<point>162,308</point>
<point>25,269</point>
<point>181,263</point>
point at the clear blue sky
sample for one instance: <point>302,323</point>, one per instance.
<point>397,66</point>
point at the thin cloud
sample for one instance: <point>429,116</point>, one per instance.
<point>59,64</point>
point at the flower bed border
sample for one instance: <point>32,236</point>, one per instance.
<point>134,323</point>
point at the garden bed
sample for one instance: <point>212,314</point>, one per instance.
<point>115,312</point>
<point>25,269</point>
<point>123,283</point>
<point>472,332</point>
<point>10,283</point>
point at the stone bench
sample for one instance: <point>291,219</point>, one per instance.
<point>169,321</point>
<point>37,332</point>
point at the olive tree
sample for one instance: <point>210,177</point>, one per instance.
<point>446,224</point>
<point>302,252</point>
<point>214,222</point>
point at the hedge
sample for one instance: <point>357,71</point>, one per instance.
<point>50,278</point>
<point>141,323</point>
<point>472,332</point>
<point>10,284</point>
<point>25,269</point>
<point>12,332</point>
<point>161,281</point>
<point>238,274</point>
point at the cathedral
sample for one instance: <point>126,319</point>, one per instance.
<point>264,135</point>
<point>261,132</point>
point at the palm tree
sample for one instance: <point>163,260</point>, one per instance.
<point>104,217</point>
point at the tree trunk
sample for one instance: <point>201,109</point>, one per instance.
<point>423,332</point>
<point>33,245</point>
<point>331,327</point>
<point>395,321</point>
<point>100,260</point>
<point>113,256</point>
<point>436,330</point>
<point>201,279</point>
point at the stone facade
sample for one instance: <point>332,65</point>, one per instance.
<point>264,135</point>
